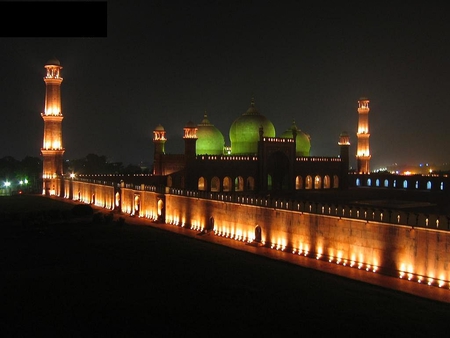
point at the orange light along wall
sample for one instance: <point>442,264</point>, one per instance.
<point>142,203</point>
<point>90,193</point>
<point>418,253</point>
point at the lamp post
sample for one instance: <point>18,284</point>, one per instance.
<point>23,184</point>
<point>7,185</point>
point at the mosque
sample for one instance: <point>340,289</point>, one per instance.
<point>256,162</point>
<point>251,191</point>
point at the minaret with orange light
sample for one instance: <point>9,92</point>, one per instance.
<point>159,140</point>
<point>363,152</point>
<point>52,148</point>
<point>190,140</point>
<point>344,145</point>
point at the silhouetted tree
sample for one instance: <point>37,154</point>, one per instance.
<point>94,164</point>
<point>132,169</point>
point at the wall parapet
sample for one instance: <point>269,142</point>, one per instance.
<point>360,212</point>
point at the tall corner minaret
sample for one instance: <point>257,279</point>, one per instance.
<point>363,152</point>
<point>52,148</point>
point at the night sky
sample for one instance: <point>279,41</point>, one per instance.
<point>167,62</point>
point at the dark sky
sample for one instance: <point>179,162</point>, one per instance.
<point>167,62</point>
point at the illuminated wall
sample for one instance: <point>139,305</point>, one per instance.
<point>142,203</point>
<point>421,254</point>
<point>97,194</point>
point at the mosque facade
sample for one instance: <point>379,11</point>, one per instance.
<point>257,161</point>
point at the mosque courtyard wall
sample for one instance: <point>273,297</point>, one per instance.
<point>383,241</point>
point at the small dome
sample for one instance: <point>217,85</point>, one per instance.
<point>159,127</point>
<point>244,132</point>
<point>344,138</point>
<point>210,140</point>
<point>53,62</point>
<point>302,141</point>
<point>190,124</point>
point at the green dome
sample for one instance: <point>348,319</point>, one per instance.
<point>302,141</point>
<point>209,139</point>
<point>244,132</point>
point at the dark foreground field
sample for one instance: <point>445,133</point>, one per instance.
<point>89,279</point>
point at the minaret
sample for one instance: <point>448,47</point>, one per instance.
<point>159,140</point>
<point>363,152</point>
<point>52,148</point>
<point>344,145</point>
<point>190,140</point>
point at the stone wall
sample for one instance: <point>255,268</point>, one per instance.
<point>420,253</point>
<point>390,248</point>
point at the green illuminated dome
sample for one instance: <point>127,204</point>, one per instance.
<point>302,141</point>
<point>209,139</point>
<point>244,132</point>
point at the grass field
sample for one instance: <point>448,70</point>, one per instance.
<point>23,203</point>
<point>102,280</point>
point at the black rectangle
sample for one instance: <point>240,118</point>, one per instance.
<point>53,19</point>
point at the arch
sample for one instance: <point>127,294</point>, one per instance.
<point>428,185</point>
<point>215,184</point>
<point>377,182</point>
<point>136,204</point>
<point>358,182</point>
<point>369,182</point>
<point>309,182</point>
<point>269,182</point>
<point>298,183</point>
<point>258,234</point>
<point>202,184</point>
<point>441,186</point>
<point>227,183</point>
<point>117,200</point>
<point>160,207</point>
<point>405,184</point>
<point>326,182</point>
<point>209,225</point>
<point>386,183</point>
<point>250,185</point>
<point>239,183</point>
<point>335,181</point>
<point>278,168</point>
<point>317,182</point>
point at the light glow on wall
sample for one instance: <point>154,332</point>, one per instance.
<point>355,256</point>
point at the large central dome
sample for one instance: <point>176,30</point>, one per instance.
<point>244,132</point>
